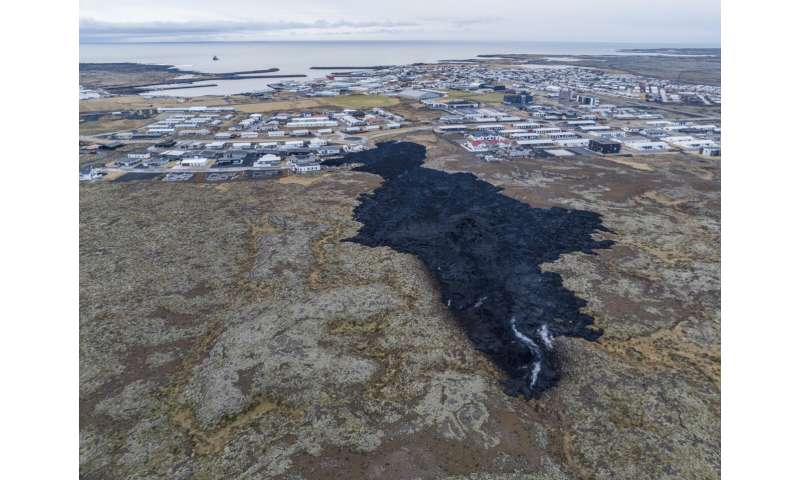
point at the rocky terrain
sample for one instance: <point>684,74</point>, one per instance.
<point>107,75</point>
<point>228,331</point>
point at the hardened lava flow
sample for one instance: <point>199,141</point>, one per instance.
<point>485,251</point>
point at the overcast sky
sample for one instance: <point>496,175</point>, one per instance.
<point>636,21</point>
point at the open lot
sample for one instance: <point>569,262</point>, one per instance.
<point>493,97</point>
<point>344,101</point>
<point>136,102</point>
<point>107,126</point>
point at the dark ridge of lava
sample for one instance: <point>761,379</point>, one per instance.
<point>485,250</point>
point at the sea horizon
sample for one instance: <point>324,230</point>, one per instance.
<point>297,57</point>
<point>573,42</point>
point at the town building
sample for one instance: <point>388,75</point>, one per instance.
<point>646,146</point>
<point>520,99</point>
<point>711,151</point>
<point>604,146</point>
<point>194,162</point>
<point>304,163</point>
<point>267,161</point>
<point>419,94</point>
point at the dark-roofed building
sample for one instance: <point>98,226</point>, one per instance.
<point>111,145</point>
<point>169,143</point>
<point>604,146</point>
<point>520,99</point>
<point>459,104</point>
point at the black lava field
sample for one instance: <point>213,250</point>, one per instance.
<point>485,250</point>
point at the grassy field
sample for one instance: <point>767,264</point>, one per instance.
<point>361,101</point>
<point>135,102</point>
<point>277,105</point>
<point>105,126</point>
<point>415,112</point>
<point>344,101</point>
<point>494,97</point>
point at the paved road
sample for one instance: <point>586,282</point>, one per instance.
<point>99,139</point>
<point>386,133</point>
<point>188,169</point>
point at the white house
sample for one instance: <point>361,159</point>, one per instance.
<point>304,164</point>
<point>306,168</point>
<point>692,143</point>
<point>546,130</point>
<point>561,135</point>
<point>312,123</point>
<point>573,142</point>
<point>646,146</point>
<point>535,142</point>
<point>527,125</point>
<point>524,136</point>
<point>267,160</point>
<point>194,162</point>
<point>608,134</point>
<point>493,126</point>
<point>173,154</point>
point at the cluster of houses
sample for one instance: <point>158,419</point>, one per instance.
<point>223,138</point>
<point>574,115</point>
<point>584,85</point>
<point>559,111</point>
<point>559,130</point>
<point>196,120</point>
<point>300,156</point>
<point>222,123</point>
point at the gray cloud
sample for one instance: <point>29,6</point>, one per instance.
<point>102,31</point>
<point>661,21</point>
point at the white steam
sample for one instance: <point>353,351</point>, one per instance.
<point>536,366</point>
<point>547,338</point>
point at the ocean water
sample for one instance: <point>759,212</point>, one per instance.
<point>297,57</point>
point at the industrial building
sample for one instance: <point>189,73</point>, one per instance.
<point>520,99</point>
<point>419,94</point>
<point>588,100</point>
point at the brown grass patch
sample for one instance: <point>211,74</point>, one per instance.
<point>630,163</point>
<point>304,180</point>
